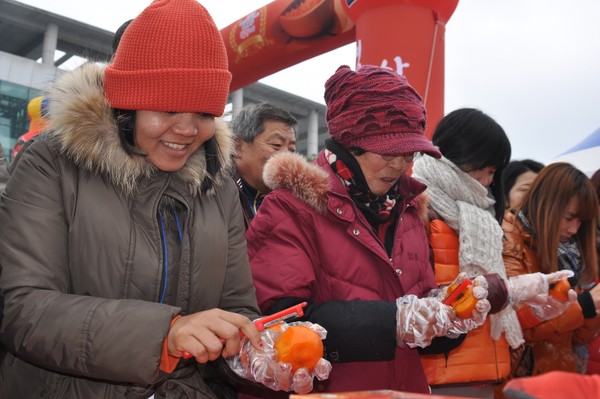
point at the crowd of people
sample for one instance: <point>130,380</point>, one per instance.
<point>141,235</point>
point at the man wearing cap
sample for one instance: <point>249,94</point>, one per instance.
<point>346,234</point>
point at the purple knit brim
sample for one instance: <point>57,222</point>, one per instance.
<point>377,110</point>
<point>392,144</point>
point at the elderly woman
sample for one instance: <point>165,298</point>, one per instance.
<point>346,234</point>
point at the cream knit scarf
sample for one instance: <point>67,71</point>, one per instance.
<point>463,203</point>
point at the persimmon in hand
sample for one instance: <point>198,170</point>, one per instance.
<point>300,346</point>
<point>560,290</point>
<point>465,303</point>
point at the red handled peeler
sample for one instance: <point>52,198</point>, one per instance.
<point>457,292</point>
<point>268,321</point>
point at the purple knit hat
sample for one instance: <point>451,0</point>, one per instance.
<point>377,110</point>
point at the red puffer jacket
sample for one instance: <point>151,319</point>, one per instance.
<point>310,241</point>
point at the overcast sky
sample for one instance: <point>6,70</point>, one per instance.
<point>533,65</point>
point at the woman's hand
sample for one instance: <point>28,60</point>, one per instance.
<point>267,367</point>
<point>420,320</point>
<point>479,313</point>
<point>533,288</point>
<point>209,334</point>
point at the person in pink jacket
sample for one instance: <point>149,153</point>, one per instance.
<point>347,235</point>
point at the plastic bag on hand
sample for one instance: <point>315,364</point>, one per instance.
<point>262,366</point>
<point>482,308</point>
<point>463,326</point>
<point>480,287</point>
<point>420,320</point>
<point>552,307</point>
<point>533,288</point>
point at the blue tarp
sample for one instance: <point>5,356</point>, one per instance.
<point>585,155</point>
<point>593,140</point>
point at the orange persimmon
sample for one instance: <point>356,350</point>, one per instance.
<point>300,346</point>
<point>465,303</point>
<point>560,290</point>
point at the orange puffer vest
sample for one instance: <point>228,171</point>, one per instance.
<point>479,359</point>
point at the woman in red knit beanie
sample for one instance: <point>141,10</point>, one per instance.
<point>121,235</point>
<point>348,237</point>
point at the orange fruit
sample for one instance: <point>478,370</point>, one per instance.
<point>560,290</point>
<point>465,303</point>
<point>300,346</point>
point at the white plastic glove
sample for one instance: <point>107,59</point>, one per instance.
<point>420,320</point>
<point>533,288</point>
<point>480,287</point>
<point>482,308</point>
<point>263,367</point>
<point>552,307</point>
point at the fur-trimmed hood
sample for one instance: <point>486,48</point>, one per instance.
<point>310,183</point>
<point>290,171</point>
<point>82,123</point>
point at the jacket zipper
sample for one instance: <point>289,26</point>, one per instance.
<point>165,277</point>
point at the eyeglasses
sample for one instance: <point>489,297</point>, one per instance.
<point>408,157</point>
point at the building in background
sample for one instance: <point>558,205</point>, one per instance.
<point>35,43</point>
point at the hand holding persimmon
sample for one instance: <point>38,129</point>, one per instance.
<point>299,346</point>
<point>465,303</point>
<point>560,290</point>
<point>291,358</point>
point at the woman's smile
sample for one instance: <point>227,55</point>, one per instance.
<point>175,146</point>
<point>168,139</point>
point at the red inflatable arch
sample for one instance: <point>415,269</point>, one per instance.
<point>406,35</point>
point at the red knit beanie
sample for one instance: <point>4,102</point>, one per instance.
<point>171,58</point>
<point>377,110</point>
